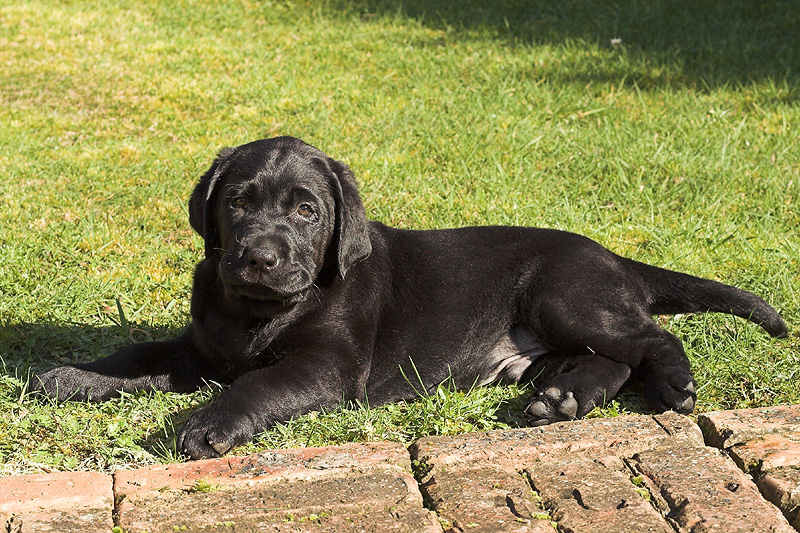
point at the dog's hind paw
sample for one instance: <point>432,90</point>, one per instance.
<point>674,391</point>
<point>551,405</point>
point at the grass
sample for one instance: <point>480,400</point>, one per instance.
<point>668,132</point>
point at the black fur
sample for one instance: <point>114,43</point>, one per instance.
<point>302,303</point>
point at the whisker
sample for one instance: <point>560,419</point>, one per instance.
<point>317,292</point>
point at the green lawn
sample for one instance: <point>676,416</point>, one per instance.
<point>668,131</point>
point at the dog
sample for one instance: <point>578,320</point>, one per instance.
<point>301,303</point>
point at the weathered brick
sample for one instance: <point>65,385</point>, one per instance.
<point>623,435</point>
<point>485,499</point>
<point>361,487</point>
<point>774,463</point>
<point>591,476</point>
<point>535,449</point>
<point>63,502</point>
<point>594,494</point>
<point>700,489</point>
<point>382,499</point>
<point>724,429</point>
<point>263,466</point>
<point>782,487</point>
<point>764,454</point>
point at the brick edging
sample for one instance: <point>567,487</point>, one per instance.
<point>468,480</point>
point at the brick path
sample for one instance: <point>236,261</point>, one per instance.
<point>736,471</point>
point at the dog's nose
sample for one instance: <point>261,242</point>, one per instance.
<point>261,259</point>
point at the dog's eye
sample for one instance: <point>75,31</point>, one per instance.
<point>305,210</point>
<point>240,202</point>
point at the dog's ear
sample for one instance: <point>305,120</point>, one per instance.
<point>351,232</point>
<point>201,204</point>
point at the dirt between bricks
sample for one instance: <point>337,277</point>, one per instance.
<point>731,471</point>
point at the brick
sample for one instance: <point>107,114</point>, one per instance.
<point>767,453</point>
<point>623,435</point>
<point>485,499</point>
<point>457,464</point>
<point>63,502</point>
<point>765,443</point>
<point>594,494</point>
<point>273,464</point>
<point>360,487</point>
<point>774,463</point>
<point>724,429</point>
<point>781,486</point>
<point>700,489</point>
<point>382,500</point>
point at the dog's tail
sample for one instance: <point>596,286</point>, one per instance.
<point>673,292</point>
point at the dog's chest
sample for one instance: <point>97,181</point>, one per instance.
<point>511,356</point>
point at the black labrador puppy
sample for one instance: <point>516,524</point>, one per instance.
<point>301,303</point>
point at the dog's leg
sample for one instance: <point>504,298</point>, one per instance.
<point>618,327</point>
<point>569,386</point>
<point>661,364</point>
<point>666,374</point>
<point>172,365</point>
<point>258,399</point>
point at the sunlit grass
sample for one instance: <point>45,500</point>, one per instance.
<point>676,144</point>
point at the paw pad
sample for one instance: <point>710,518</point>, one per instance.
<point>551,405</point>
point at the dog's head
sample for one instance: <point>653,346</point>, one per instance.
<point>275,213</point>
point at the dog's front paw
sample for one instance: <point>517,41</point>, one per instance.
<point>68,383</point>
<point>212,431</point>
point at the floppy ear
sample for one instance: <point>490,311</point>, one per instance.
<point>351,233</point>
<point>201,204</point>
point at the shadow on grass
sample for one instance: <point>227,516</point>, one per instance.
<point>102,435</point>
<point>703,45</point>
<point>38,346</point>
